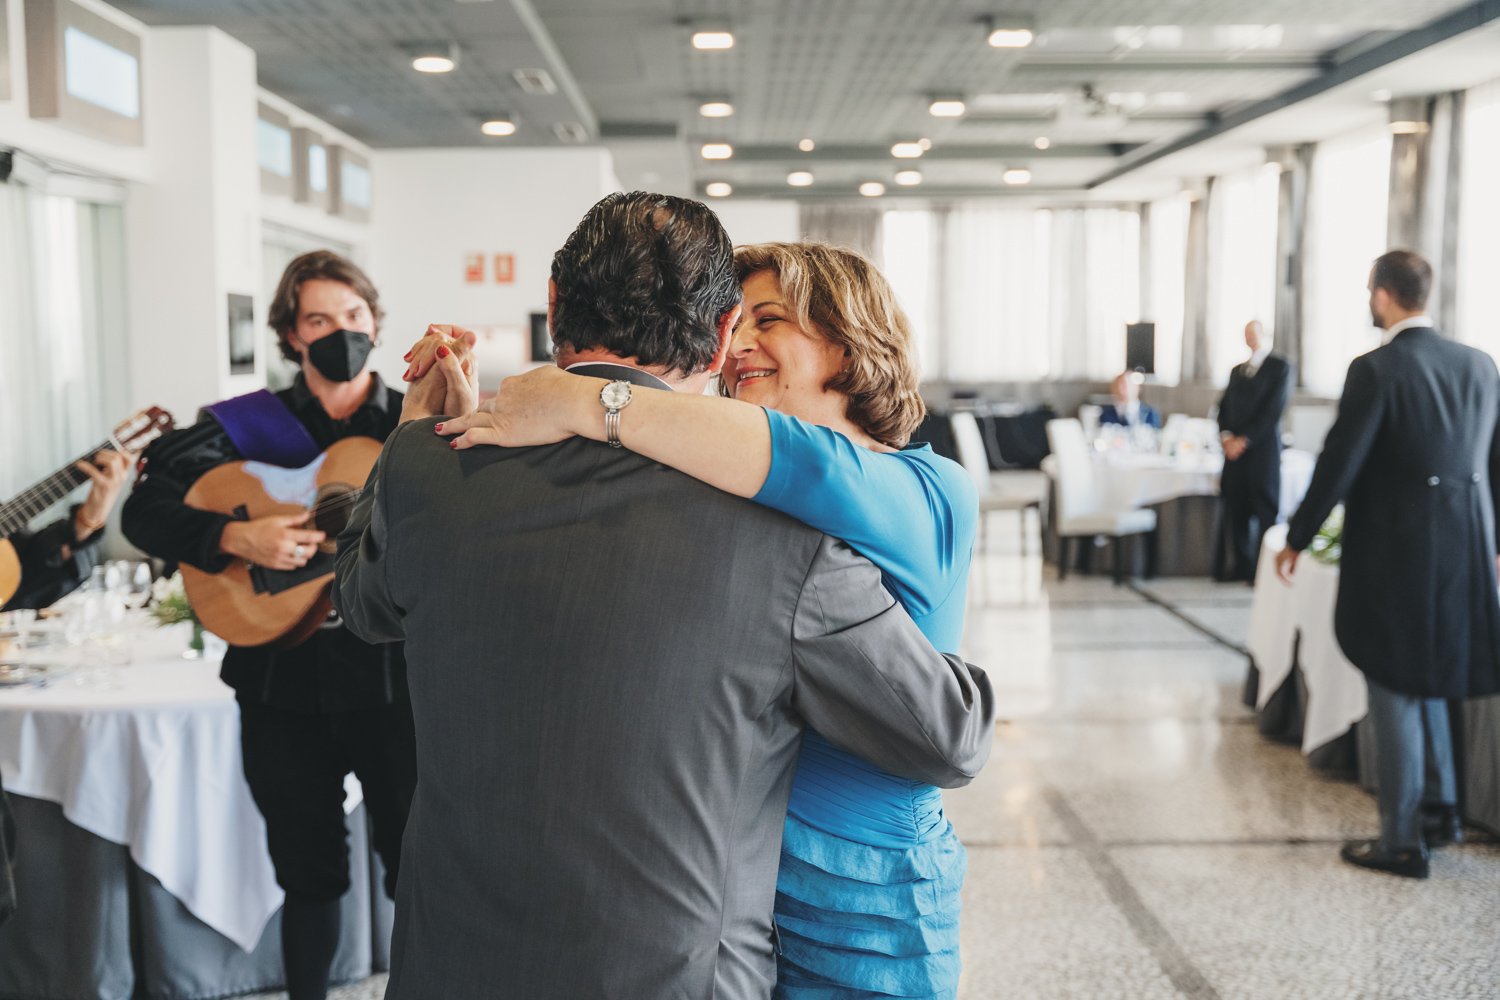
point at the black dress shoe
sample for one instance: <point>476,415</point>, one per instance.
<point>1441,825</point>
<point>1410,863</point>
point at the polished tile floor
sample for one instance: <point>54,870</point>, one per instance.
<point>1134,837</point>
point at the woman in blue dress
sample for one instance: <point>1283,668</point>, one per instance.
<point>823,381</point>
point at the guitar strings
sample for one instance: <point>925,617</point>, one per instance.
<point>46,493</point>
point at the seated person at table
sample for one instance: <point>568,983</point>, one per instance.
<point>56,559</point>
<point>1127,410</point>
<point>310,713</point>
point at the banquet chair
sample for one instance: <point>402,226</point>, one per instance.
<point>1019,490</point>
<point>1081,508</point>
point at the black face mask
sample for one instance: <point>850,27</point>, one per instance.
<point>341,355</point>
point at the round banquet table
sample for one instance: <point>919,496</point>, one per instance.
<point>1292,645</point>
<point>141,862</point>
<point>1184,491</point>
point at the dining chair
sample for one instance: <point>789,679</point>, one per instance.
<point>1082,510</point>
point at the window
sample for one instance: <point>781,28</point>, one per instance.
<point>1478,234</point>
<point>62,336</point>
<point>1348,201</point>
<point>1004,294</point>
<point>1169,235</point>
<point>1241,262</point>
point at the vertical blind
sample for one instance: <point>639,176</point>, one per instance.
<point>1241,263</point>
<point>1479,224</point>
<point>1348,199</point>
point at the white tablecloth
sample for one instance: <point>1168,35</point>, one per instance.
<point>1336,693</point>
<point>1129,479</point>
<point>153,763</point>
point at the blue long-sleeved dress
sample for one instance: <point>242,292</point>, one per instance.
<point>867,898</point>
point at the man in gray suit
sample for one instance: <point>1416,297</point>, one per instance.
<point>611,666</point>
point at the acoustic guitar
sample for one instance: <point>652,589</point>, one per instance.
<point>129,438</point>
<point>250,605</point>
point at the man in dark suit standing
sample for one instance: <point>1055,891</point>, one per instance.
<point>1413,455</point>
<point>1250,427</point>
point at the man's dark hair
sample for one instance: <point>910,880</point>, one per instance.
<point>1406,276</point>
<point>325,264</point>
<point>646,276</point>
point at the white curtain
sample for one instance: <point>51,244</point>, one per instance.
<point>63,361</point>
<point>1169,235</point>
<point>1017,294</point>
<point>1348,202</point>
<point>910,243</point>
<point>1479,224</point>
<point>1241,263</point>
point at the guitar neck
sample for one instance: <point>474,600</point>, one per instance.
<point>18,511</point>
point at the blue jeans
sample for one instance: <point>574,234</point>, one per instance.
<point>1413,762</point>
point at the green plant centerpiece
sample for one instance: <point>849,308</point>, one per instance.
<point>1327,546</point>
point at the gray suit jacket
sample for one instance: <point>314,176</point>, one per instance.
<point>611,665</point>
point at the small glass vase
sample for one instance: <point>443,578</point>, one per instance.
<point>195,645</point>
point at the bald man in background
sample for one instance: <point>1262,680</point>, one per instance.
<point>1250,429</point>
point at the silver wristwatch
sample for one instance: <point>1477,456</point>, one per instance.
<point>615,397</point>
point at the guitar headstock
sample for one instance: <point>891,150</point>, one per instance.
<point>133,434</point>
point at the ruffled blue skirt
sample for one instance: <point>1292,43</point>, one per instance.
<point>857,921</point>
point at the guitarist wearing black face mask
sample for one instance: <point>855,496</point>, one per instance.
<point>312,711</point>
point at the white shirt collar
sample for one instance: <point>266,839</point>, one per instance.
<point>1407,324</point>
<point>1259,358</point>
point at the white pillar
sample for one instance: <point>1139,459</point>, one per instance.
<point>194,230</point>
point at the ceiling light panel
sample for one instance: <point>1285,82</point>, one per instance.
<point>716,151</point>
<point>716,109</point>
<point>713,40</point>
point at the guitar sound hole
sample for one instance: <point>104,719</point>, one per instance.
<point>331,512</point>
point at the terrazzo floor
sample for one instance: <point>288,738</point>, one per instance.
<point>1134,837</point>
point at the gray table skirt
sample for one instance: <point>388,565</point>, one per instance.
<point>1476,737</point>
<point>1188,537</point>
<point>91,925</point>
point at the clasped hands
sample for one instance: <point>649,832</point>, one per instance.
<point>1234,447</point>
<point>530,409</point>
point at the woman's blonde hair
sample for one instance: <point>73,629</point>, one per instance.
<point>836,293</point>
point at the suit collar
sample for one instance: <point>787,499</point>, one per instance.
<point>1413,323</point>
<point>619,373</point>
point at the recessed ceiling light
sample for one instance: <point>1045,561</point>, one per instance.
<point>800,178</point>
<point>433,57</point>
<point>713,41</point>
<point>1042,142</point>
<point>946,107</point>
<point>807,145</point>
<point>925,143</point>
<point>1010,37</point>
<point>716,109</point>
<point>872,189</point>
<point>498,126</point>
<point>1017,175</point>
<point>908,178</point>
<point>717,151</point>
<point>907,150</point>
<point>718,189</point>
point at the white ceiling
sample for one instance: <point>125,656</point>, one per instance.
<point>1105,79</point>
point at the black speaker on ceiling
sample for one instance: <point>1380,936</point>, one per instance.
<point>1140,347</point>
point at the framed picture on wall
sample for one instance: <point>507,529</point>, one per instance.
<point>241,334</point>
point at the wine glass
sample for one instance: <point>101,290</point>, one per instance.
<point>137,586</point>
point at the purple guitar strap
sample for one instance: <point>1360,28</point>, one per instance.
<point>264,430</point>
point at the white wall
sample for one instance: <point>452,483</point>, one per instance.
<point>193,232</point>
<point>455,202</point>
<point>759,221</point>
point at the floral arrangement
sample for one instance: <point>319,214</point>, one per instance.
<point>169,606</point>
<point>169,603</point>
<point>1327,546</point>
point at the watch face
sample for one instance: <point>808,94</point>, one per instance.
<point>615,395</point>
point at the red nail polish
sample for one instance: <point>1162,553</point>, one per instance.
<point>453,444</point>
<point>438,428</point>
<point>408,356</point>
<point>443,352</point>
